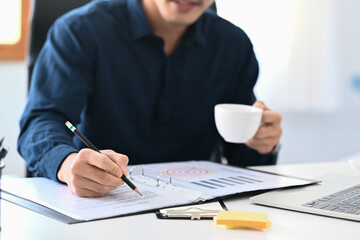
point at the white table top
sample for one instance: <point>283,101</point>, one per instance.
<point>20,223</point>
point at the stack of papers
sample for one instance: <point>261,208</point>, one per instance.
<point>163,185</point>
<point>238,219</point>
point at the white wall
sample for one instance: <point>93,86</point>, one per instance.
<point>308,136</point>
<point>311,136</point>
<point>314,87</point>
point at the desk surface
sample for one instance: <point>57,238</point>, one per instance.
<point>20,223</point>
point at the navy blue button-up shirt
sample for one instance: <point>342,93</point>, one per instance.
<point>104,70</point>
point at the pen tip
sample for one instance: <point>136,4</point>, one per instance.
<point>137,190</point>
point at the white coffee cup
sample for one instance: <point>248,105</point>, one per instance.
<point>237,123</point>
<point>355,162</point>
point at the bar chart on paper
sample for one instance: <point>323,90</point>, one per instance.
<point>216,179</point>
<point>211,182</point>
<point>215,183</point>
<point>210,178</point>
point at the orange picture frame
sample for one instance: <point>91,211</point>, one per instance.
<point>18,51</point>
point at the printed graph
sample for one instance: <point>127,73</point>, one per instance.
<point>216,183</point>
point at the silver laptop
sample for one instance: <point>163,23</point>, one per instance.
<point>336,196</point>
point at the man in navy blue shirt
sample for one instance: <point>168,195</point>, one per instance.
<point>139,77</point>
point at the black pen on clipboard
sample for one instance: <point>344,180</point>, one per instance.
<point>90,145</point>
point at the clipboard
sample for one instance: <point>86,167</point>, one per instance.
<point>192,212</point>
<point>165,185</point>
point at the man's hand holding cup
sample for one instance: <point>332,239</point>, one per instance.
<point>257,126</point>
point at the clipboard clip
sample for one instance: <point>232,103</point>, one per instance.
<point>194,213</point>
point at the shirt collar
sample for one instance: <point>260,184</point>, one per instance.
<point>140,26</point>
<point>138,22</point>
<point>195,33</point>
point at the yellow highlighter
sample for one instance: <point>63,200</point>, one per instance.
<point>236,219</point>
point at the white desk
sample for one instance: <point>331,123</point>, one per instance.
<point>20,223</point>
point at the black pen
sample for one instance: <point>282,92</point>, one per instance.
<point>90,145</point>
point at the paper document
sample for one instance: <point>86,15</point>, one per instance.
<point>217,180</point>
<point>119,202</point>
<point>162,185</point>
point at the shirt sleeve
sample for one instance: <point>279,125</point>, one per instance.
<point>60,86</point>
<point>240,154</point>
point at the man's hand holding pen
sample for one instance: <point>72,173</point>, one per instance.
<point>92,174</point>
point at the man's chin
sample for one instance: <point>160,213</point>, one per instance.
<point>181,22</point>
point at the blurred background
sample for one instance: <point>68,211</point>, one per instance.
<point>309,55</point>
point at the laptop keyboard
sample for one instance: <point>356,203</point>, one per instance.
<point>346,201</point>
